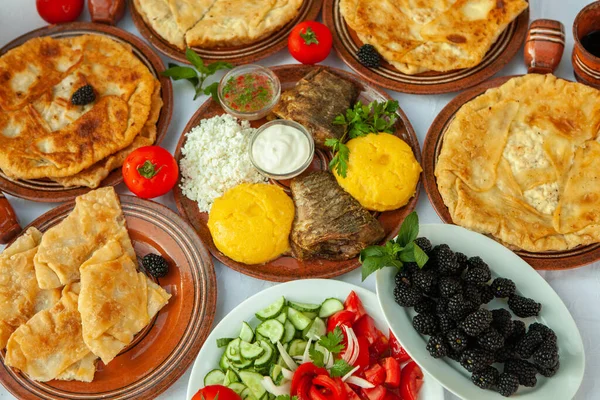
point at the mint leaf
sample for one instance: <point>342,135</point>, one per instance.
<point>371,265</point>
<point>420,257</point>
<point>333,341</point>
<point>317,357</point>
<point>372,251</point>
<point>218,65</point>
<point>176,73</point>
<point>409,229</point>
<point>212,90</point>
<point>196,60</point>
<point>340,368</point>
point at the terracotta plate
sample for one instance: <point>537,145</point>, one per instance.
<point>237,55</point>
<point>556,260</point>
<point>161,352</point>
<point>47,191</point>
<point>287,268</point>
<point>347,44</point>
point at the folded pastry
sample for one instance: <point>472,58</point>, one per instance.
<point>96,218</point>
<point>20,294</point>
<point>116,301</point>
<point>50,345</point>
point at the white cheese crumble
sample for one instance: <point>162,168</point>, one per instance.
<point>543,198</point>
<point>524,150</point>
<point>215,158</point>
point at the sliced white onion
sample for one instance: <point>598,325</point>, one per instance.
<point>349,374</point>
<point>329,358</point>
<point>360,382</point>
<point>286,357</point>
<point>356,348</point>
<point>272,388</point>
<point>306,356</point>
<point>287,374</point>
<point>350,349</point>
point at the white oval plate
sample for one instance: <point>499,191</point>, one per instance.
<point>507,264</point>
<point>307,291</point>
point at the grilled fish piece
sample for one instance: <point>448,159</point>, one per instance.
<point>329,223</point>
<point>315,101</point>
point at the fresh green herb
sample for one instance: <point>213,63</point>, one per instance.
<point>395,252</point>
<point>333,341</point>
<point>360,121</point>
<point>317,357</point>
<point>309,37</point>
<point>340,368</point>
<point>197,76</point>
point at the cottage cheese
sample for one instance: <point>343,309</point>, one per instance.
<point>524,149</point>
<point>543,198</point>
<point>215,159</point>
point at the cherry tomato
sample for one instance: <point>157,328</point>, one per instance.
<point>411,380</point>
<point>354,304</point>
<point>310,42</point>
<point>340,318</point>
<point>214,392</point>
<point>150,171</point>
<point>59,11</point>
<point>397,350</point>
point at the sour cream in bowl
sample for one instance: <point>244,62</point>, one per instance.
<point>281,149</point>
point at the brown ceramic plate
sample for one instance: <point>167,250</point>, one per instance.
<point>49,191</point>
<point>237,55</point>
<point>287,268</point>
<point>555,260</point>
<point>347,44</point>
<point>161,352</point>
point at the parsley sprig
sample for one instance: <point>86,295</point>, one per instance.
<point>359,121</point>
<point>333,343</point>
<point>197,75</point>
<point>395,252</point>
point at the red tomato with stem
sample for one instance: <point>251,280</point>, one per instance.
<point>354,304</point>
<point>397,350</point>
<point>411,380</point>
<point>216,392</point>
<point>150,171</point>
<point>340,318</point>
<point>310,42</point>
<point>59,11</point>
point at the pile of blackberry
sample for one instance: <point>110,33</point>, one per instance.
<point>449,294</point>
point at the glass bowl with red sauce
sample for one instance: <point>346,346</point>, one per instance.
<point>249,92</point>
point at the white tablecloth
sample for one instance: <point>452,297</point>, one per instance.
<point>579,288</point>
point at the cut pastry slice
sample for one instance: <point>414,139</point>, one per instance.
<point>116,301</point>
<point>20,294</point>
<point>159,16</point>
<point>50,344</point>
<point>96,219</point>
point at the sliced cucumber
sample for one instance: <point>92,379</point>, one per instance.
<point>230,377</point>
<point>276,374</point>
<point>246,334</point>
<point>297,347</point>
<point>223,342</point>
<point>214,377</point>
<point>316,329</point>
<point>271,311</point>
<point>224,363</point>
<point>237,387</point>
<point>268,355</point>
<point>304,307</point>
<point>282,317</point>
<point>330,307</point>
<point>241,364</point>
<point>233,350</point>
<point>271,329</point>
<point>299,320</point>
<point>254,382</point>
<point>246,393</point>
<point>290,332</point>
<point>250,351</point>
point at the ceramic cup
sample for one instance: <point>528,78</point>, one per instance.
<point>544,46</point>
<point>9,226</point>
<point>586,66</point>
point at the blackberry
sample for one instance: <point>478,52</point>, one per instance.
<point>458,308</point>
<point>410,268</point>
<point>437,347</point>
<point>472,294</point>
<point>518,332</point>
<point>524,307</point>
<point>477,322</point>
<point>476,359</point>
<point>403,277</point>
<point>529,344</point>
<point>369,56</point>
<point>449,286</point>
<point>441,306</point>
<point>503,287</point>
<point>502,322</point>
<point>461,259</point>
<point>508,384</point>
<point>425,324</point>
<point>547,333</point>
<point>549,372</point>
<point>454,355</point>
<point>487,294</point>
<point>445,259</point>
<point>445,323</point>
<point>504,354</point>
<point>478,276</point>
<point>155,265</point>
<point>457,340</point>
<point>407,295</point>
<point>546,356</point>
<point>486,378</point>
<point>426,281</point>
<point>477,262</point>
<point>84,95</point>
<point>491,340</point>
<point>524,370</point>
<point>424,244</point>
<point>427,305</point>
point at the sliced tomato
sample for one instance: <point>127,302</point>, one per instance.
<point>363,353</point>
<point>397,350</point>
<point>389,395</point>
<point>375,374</point>
<point>380,348</point>
<point>306,370</point>
<point>377,393</point>
<point>303,388</point>
<point>392,372</point>
<point>214,392</point>
<point>350,393</point>
<point>365,326</point>
<point>340,318</point>
<point>326,388</point>
<point>411,380</point>
<point>354,304</point>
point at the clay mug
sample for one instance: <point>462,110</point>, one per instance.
<point>586,66</point>
<point>9,226</point>
<point>544,46</point>
<point>106,11</point>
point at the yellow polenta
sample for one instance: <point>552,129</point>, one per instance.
<point>382,172</point>
<point>251,223</point>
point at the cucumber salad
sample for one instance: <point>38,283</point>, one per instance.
<point>327,351</point>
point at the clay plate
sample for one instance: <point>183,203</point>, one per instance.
<point>161,352</point>
<point>347,44</point>
<point>237,55</point>
<point>552,260</point>
<point>287,268</point>
<point>44,190</point>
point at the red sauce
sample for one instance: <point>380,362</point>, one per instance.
<point>248,92</point>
